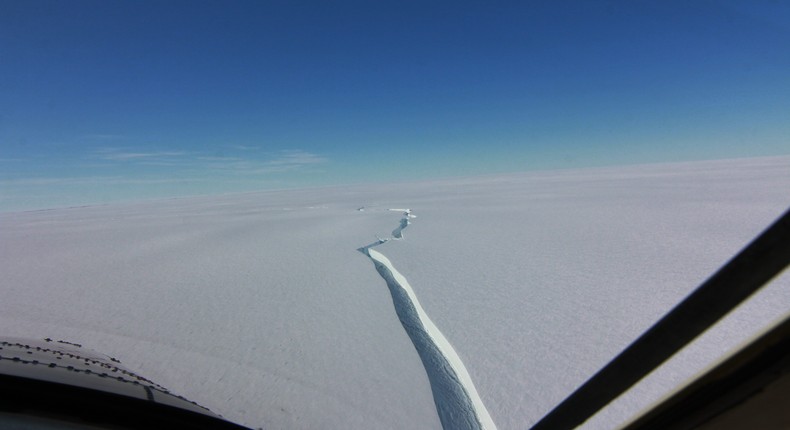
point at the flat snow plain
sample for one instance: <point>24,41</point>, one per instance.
<point>260,306</point>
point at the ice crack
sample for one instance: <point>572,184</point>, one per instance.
<point>457,402</point>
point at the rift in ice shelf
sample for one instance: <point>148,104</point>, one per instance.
<point>59,384</point>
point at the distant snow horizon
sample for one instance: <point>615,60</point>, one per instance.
<point>9,204</point>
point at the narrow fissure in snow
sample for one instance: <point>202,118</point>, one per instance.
<point>457,402</point>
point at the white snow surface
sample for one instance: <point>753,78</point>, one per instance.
<point>259,306</point>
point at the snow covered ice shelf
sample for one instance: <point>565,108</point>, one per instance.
<point>260,307</point>
<point>256,306</point>
<point>540,279</point>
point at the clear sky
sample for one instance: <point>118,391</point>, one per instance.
<point>108,101</point>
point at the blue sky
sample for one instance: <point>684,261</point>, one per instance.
<point>111,101</point>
